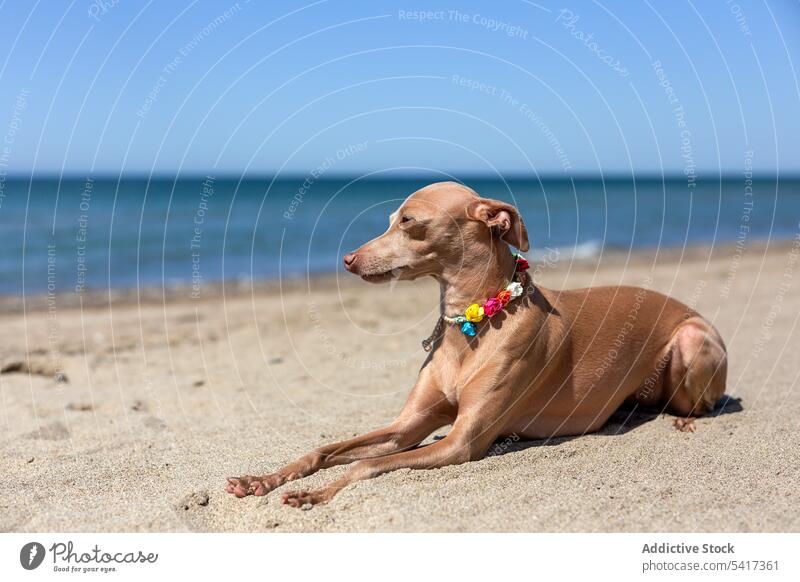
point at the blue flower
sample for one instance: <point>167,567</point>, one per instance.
<point>468,328</point>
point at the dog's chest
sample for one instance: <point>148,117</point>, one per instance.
<point>456,369</point>
<point>446,367</point>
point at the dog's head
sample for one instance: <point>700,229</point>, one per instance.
<point>442,225</point>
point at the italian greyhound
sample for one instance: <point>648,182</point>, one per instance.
<point>538,365</point>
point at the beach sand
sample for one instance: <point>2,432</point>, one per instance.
<point>127,413</point>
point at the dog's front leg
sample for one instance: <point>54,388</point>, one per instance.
<point>425,411</point>
<point>475,429</point>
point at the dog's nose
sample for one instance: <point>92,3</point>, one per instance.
<point>349,259</point>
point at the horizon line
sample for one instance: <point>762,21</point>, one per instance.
<point>647,175</point>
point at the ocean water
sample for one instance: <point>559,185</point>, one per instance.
<point>75,234</point>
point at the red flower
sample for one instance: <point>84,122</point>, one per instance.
<point>522,263</point>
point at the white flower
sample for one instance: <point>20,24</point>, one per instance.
<point>515,289</point>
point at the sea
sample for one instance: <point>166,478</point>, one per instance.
<point>95,233</point>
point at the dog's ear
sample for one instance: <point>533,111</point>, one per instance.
<point>502,218</point>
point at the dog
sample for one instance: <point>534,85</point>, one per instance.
<point>543,364</point>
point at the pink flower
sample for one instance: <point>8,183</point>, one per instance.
<point>492,306</point>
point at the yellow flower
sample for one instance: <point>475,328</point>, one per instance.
<point>474,313</point>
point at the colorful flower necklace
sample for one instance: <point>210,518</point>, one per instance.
<point>476,313</point>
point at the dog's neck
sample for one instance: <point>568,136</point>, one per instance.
<point>476,280</point>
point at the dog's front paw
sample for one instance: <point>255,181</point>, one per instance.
<point>252,485</point>
<point>305,499</point>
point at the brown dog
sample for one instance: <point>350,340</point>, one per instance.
<point>551,363</point>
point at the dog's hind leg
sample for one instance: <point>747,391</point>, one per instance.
<point>424,412</point>
<point>698,367</point>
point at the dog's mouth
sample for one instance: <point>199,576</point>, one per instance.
<point>382,277</point>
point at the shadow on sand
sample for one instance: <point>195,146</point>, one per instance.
<point>627,418</point>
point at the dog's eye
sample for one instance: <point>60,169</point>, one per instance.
<point>412,227</point>
<point>407,222</point>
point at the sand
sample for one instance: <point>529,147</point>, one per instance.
<point>127,413</point>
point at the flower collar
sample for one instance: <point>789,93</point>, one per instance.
<point>475,313</point>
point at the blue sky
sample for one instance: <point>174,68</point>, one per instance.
<point>513,86</point>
